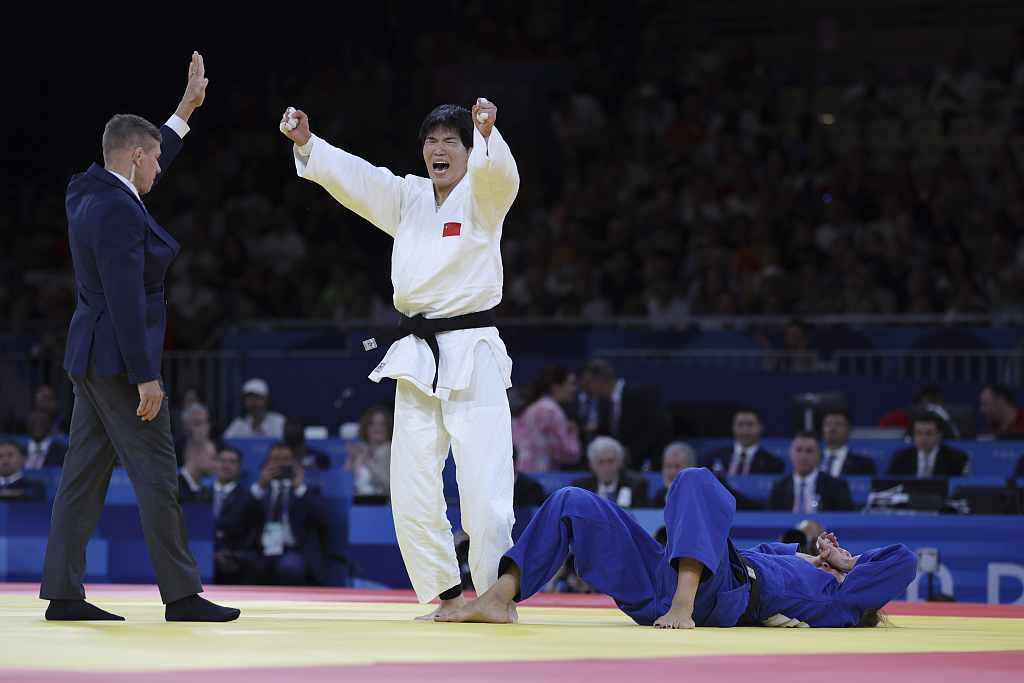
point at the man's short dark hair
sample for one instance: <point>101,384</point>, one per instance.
<point>806,434</point>
<point>450,116</point>
<point>749,409</point>
<point>128,131</point>
<point>282,445</point>
<point>928,393</point>
<point>598,368</point>
<point>845,414</point>
<point>231,449</point>
<point>928,416</point>
<point>1002,391</point>
<point>17,446</point>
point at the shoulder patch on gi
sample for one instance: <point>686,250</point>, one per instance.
<point>379,367</point>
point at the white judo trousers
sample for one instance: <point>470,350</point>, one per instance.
<point>477,423</point>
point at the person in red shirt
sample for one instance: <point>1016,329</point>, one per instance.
<point>999,406</point>
<point>926,395</point>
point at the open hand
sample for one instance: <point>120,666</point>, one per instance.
<point>195,90</point>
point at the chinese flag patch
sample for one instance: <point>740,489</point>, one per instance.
<point>452,229</point>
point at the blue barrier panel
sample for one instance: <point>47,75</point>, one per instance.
<point>116,552</point>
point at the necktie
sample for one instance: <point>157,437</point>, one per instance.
<point>800,502</point>
<point>827,465</point>
<point>277,505</point>
<point>218,502</point>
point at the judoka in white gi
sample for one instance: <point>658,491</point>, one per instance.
<point>445,263</point>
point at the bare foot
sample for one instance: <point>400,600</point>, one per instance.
<point>513,614</point>
<point>445,608</point>
<point>676,617</point>
<point>487,609</point>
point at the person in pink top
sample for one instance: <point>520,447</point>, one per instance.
<point>541,431</point>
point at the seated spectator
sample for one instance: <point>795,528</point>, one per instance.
<point>230,499</point>
<point>45,399</point>
<point>286,519</point>
<point>200,462</point>
<point>999,406</point>
<point>838,460</point>
<point>745,456</point>
<point>928,456</point>
<point>526,492</point>
<point>369,458</point>
<point>610,480</point>
<point>808,489</point>
<point>195,424</point>
<point>13,484</point>
<point>541,431</point>
<point>927,396</point>
<point>42,450</point>
<point>295,437</point>
<point>259,419</point>
<point>677,457</point>
<point>805,534</point>
<point>638,418</point>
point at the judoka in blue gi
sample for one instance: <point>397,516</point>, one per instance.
<point>698,578</point>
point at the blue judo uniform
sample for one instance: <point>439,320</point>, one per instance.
<point>618,557</point>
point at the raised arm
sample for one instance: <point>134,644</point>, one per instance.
<point>195,90</point>
<point>493,175</point>
<point>373,193</point>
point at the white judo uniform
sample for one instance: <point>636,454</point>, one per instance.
<point>446,262</point>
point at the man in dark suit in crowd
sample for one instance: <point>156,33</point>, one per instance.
<point>114,349</point>
<point>526,491</point>
<point>45,399</point>
<point>230,498</point>
<point>610,479</point>
<point>285,519</point>
<point>200,460</point>
<point>929,457</point>
<point>42,450</point>
<point>808,489</point>
<point>13,484</point>
<point>637,418</point>
<point>837,459</point>
<point>745,456</point>
<point>295,436</point>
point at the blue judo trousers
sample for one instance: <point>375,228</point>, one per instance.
<point>618,557</point>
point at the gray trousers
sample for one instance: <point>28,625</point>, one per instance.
<point>104,425</point>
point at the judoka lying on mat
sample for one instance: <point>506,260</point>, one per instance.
<point>699,578</point>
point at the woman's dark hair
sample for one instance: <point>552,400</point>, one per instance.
<point>449,116</point>
<point>874,618</point>
<point>553,374</point>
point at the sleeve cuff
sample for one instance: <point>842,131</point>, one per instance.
<point>257,492</point>
<point>177,125</point>
<point>301,490</point>
<point>305,149</point>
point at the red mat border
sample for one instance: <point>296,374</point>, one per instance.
<point>933,667</point>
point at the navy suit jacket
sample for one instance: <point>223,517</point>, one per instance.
<point>857,464</point>
<point>29,488</point>
<point>627,478</point>
<point>307,517</point>
<point>764,462</point>
<point>120,256</point>
<point>949,462</point>
<point>834,494</point>
<point>230,526</point>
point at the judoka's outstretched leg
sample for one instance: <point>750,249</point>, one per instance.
<point>613,553</point>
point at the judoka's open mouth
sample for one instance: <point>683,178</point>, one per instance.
<point>440,167</point>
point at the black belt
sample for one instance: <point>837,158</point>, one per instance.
<point>426,328</point>
<point>755,586</point>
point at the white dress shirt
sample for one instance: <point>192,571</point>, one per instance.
<point>742,458</point>
<point>838,459</point>
<point>192,483</point>
<point>609,490</point>
<point>810,482</point>
<point>4,481</point>
<point>37,453</point>
<point>220,494</point>
<point>926,462</point>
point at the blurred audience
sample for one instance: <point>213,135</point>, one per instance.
<point>610,479</point>
<point>230,499</point>
<point>677,457</point>
<point>637,418</point>
<point>808,489</point>
<point>929,456</point>
<point>926,396</point>
<point>200,463</point>
<point>195,424</point>
<point>999,406</point>
<point>13,484</point>
<point>837,459</point>
<point>295,437</point>
<point>369,457</point>
<point>542,433</point>
<point>42,450</point>
<point>259,419</point>
<point>526,491</point>
<point>745,456</point>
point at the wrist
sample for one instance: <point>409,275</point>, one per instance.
<point>184,110</point>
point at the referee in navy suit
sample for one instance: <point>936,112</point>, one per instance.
<point>113,356</point>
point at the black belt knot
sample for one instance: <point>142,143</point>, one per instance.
<point>427,329</point>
